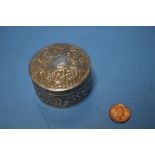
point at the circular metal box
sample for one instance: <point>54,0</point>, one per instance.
<point>61,74</point>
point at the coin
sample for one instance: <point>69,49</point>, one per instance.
<point>119,113</point>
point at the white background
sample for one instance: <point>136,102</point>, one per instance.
<point>80,12</point>
<point>77,12</point>
<point>77,142</point>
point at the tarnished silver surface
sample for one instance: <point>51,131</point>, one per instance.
<point>61,74</point>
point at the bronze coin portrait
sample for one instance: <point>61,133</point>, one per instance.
<point>119,113</point>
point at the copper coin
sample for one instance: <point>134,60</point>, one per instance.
<point>119,113</point>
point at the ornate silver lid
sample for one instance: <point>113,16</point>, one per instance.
<point>60,67</point>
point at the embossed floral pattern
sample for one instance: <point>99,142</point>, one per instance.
<point>71,75</point>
